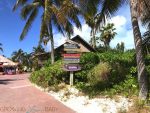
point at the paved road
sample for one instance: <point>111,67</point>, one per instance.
<point>17,95</point>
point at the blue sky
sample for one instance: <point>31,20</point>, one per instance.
<point>11,26</point>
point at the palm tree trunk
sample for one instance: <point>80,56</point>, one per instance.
<point>142,75</point>
<point>52,51</point>
<point>52,43</point>
<point>94,40</point>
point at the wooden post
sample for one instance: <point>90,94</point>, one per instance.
<point>71,78</point>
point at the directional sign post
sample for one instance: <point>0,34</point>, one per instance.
<point>71,58</point>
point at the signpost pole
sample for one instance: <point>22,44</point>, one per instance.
<point>71,78</point>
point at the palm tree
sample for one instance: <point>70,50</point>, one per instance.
<point>27,61</point>
<point>142,74</point>
<point>38,49</point>
<point>1,49</point>
<point>107,34</point>
<point>22,58</point>
<point>18,56</point>
<point>57,14</point>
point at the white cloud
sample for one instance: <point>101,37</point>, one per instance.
<point>119,21</point>
<point>85,33</point>
<point>127,39</point>
<point>58,40</point>
<point>123,33</point>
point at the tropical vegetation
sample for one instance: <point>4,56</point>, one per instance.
<point>61,14</point>
<point>108,73</point>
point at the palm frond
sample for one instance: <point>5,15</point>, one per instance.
<point>69,29</point>
<point>146,37</point>
<point>72,13</point>
<point>29,23</point>
<point>19,3</point>
<point>108,8</point>
<point>43,30</point>
<point>145,16</point>
<point>87,6</point>
<point>27,9</point>
<point>1,49</point>
<point>58,26</point>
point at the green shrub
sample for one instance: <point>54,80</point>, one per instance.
<point>110,75</point>
<point>48,76</point>
<point>99,73</point>
<point>87,62</point>
<point>125,59</point>
<point>127,87</point>
<point>120,63</point>
<point>47,63</point>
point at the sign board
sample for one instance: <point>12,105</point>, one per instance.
<point>74,50</point>
<point>72,67</point>
<point>71,46</point>
<point>71,61</point>
<point>71,56</point>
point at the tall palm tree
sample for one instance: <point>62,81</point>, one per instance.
<point>107,34</point>
<point>57,14</point>
<point>1,49</point>
<point>142,74</point>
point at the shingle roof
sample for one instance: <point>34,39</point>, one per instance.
<point>7,62</point>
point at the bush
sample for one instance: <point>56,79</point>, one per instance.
<point>48,76</point>
<point>99,73</point>
<point>87,62</point>
<point>127,87</point>
<point>125,59</point>
<point>120,63</point>
<point>110,74</point>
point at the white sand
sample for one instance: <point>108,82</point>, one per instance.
<point>82,104</point>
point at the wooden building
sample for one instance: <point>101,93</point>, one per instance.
<point>84,47</point>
